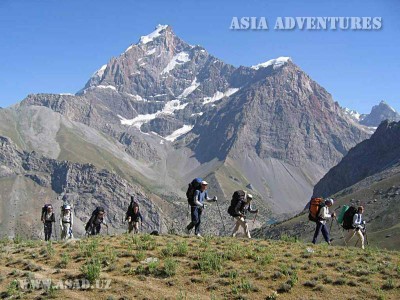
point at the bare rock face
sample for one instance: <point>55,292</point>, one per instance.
<point>164,125</point>
<point>286,116</point>
<point>372,156</point>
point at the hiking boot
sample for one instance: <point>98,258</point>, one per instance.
<point>198,235</point>
<point>187,231</point>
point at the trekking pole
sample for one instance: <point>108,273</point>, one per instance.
<point>366,237</point>
<point>337,222</point>
<point>219,210</point>
<point>255,217</point>
<point>330,228</point>
<point>55,230</point>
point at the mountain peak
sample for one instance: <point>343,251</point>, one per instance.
<point>383,103</point>
<point>379,113</point>
<point>145,39</point>
<point>156,33</point>
<point>276,63</point>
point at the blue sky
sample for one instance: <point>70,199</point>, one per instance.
<point>54,46</point>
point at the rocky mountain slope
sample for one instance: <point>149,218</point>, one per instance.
<point>29,180</point>
<point>368,175</point>
<point>164,112</point>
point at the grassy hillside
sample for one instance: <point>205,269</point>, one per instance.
<point>175,267</point>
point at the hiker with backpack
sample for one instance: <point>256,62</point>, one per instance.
<point>196,203</point>
<point>66,222</point>
<point>357,227</point>
<point>240,204</point>
<point>133,216</point>
<point>321,218</point>
<point>48,219</point>
<point>93,226</point>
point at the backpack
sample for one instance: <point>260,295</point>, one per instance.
<point>192,188</point>
<point>44,210</point>
<point>348,218</point>
<point>315,207</point>
<point>93,217</point>
<point>236,197</point>
<point>341,214</point>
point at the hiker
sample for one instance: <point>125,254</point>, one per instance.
<point>357,227</point>
<point>197,206</point>
<point>133,217</point>
<point>93,226</point>
<point>66,222</point>
<point>323,215</point>
<point>48,219</point>
<point>240,204</point>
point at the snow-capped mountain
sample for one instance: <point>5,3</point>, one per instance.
<point>165,111</point>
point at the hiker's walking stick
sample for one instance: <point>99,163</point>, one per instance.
<point>55,230</point>
<point>219,210</point>
<point>255,217</point>
<point>107,228</point>
<point>366,236</point>
<point>330,228</point>
<point>344,239</point>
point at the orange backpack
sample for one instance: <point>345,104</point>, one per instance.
<point>315,206</point>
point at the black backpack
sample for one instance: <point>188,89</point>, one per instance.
<point>192,188</point>
<point>44,210</point>
<point>236,197</point>
<point>348,218</point>
<point>93,217</point>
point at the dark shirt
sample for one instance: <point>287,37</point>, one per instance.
<point>135,217</point>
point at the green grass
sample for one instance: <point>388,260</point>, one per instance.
<point>217,268</point>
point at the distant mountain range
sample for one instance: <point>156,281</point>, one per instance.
<point>164,112</point>
<point>379,113</point>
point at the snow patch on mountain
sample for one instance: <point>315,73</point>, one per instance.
<point>156,33</point>
<point>106,87</point>
<point>178,59</point>
<point>353,114</point>
<point>219,95</point>
<point>150,52</point>
<point>276,63</point>
<point>169,108</point>
<point>190,89</point>
<point>137,97</point>
<point>179,132</point>
<point>100,71</point>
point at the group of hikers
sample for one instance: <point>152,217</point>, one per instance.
<point>350,217</point>
<point>93,226</point>
<point>197,196</point>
